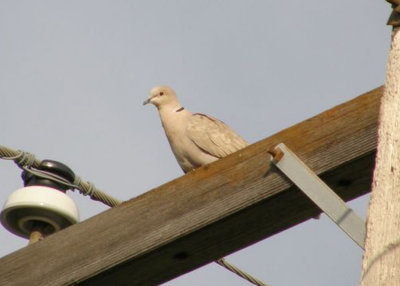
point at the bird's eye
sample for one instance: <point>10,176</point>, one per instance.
<point>161,93</point>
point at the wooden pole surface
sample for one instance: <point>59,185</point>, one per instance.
<point>381,261</point>
<point>208,213</point>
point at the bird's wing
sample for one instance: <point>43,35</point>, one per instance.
<point>213,136</point>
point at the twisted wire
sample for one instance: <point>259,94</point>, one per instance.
<point>240,272</point>
<point>88,189</point>
<point>29,163</point>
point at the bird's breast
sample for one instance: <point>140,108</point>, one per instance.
<point>187,153</point>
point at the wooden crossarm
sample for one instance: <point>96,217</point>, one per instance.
<point>208,213</point>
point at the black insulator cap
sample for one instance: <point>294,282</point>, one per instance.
<point>53,167</point>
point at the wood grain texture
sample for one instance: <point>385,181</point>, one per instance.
<point>381,259</point>
<point>208,213</point>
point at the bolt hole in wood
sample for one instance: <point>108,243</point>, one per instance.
<point>182,255</point>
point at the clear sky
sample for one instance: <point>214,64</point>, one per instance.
<point>74,74</point>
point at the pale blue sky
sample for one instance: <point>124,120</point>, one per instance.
<point>73,76</point>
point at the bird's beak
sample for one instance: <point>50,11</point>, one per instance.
<point>147,101</point>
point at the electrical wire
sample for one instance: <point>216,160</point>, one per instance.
<point>29,163</point>
<point>240,272</point>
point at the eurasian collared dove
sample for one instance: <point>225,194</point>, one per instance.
<point>195,139</point>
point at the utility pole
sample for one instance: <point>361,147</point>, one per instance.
<point>381,261</point>
<point>208,213</point>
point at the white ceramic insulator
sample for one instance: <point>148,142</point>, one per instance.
<point>38,203</point>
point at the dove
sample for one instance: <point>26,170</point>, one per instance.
<point>196,139</point>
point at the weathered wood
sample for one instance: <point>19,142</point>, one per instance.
<point>381,261</point>
<point>208,213</point>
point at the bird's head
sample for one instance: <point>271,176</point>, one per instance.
<point>161,96</point>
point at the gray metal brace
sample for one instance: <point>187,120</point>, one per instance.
<point>320,193</point>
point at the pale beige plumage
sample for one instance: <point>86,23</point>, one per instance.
<point>195,139</point>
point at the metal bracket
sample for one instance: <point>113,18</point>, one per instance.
<point>319,192</point>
